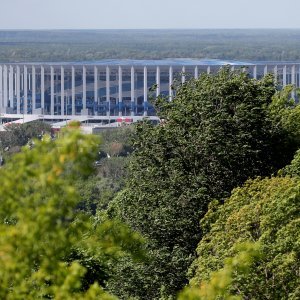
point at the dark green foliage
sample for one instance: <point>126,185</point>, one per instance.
<point>100,188</point>
<point>216,133</point>
<point>18,135</point>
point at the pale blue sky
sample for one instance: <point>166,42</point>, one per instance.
<point>115,14</point>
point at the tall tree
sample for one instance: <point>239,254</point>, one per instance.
<point>46,246</point>
<point>217,132</point>
<point>265,211</point>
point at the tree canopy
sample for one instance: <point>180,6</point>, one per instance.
<point>264,211</point>
<point>46,246</point>
<point>218,131</point>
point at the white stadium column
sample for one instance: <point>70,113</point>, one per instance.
<point>183,75</point>
<point>25,104</point>
<point>107,84</point>
<point>145,90</point>
<point>84,88</point>
<point>157,81</point>
<point>1,88</point>
<point>276,73</point>
<point>43,89</point>
<point>255,72</point>
<point>120,89</point>
<point>52,90</point>
<point>196,73</point>
<point>95,85</point>
<point>11,86</point>
<point>33,89</point>
<point>62,90</point>
<point>5,95</point>
<point>293,81</point>
<point>132,77</point>
<point>293,75</point>
<point>170,83</point>
<point>208,69</point>
<point>18,89</point>
<point>265,70</point>
<point>73,91</point>
<point>15,83</point>
<point>284,76</point>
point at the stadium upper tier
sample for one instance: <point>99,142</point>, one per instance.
<point>110,88</point>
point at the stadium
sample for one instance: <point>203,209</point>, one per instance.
<point>108,91</point>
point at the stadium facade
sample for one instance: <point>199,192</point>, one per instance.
<point>108,89</point>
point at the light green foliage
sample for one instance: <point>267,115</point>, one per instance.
<point>40,229</point>
<point>294,168</point>
<point>216,133</point>
<point>219,284</point>
<point>263,210</point>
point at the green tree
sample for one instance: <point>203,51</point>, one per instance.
<point>265,211</point>
<point>17,135</point>
<point>217,132</point>
<point>46,246</point>
<point>219,284</point>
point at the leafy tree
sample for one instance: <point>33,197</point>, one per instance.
<point>219,284</point>
<point>47,248</point>
<point>217,132</point>
<point>265,211</point>
<point>17,135</point>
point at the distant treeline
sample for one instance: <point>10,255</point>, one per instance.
<point>82,45</point>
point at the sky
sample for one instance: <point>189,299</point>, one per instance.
<point>143,14</point>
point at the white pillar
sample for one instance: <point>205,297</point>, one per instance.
<point>208,69</point>
<point>25,103</point>
<point>120,89</point>
<point>73,91</point>
<point>1,88</point>
<point>84,88</point>
<point>11,86</point>
<point>52,90</point>
<point>157,81</point>
<point>18,89</point>
<point>62,90</point>
<point>196,74</point>
<point>95,85</point>
<point>284,76</point>
<point>29,82</point>
<point>255,72</point>
<point>265,70</point>
<point>132,77</point>
<point>5,95</point>
<point>293,75</point>
<point>293,81</point>
<point>43,89</point>
<point>275,73</point>
<point>15,83</point>
<point>170,83</point>
<point>33,89</point>
<point>107,83</point>
<point>145,90</point>
<point>183,75</point>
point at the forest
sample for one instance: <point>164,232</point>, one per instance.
<point>91,45</point>
<point>203,205</point>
